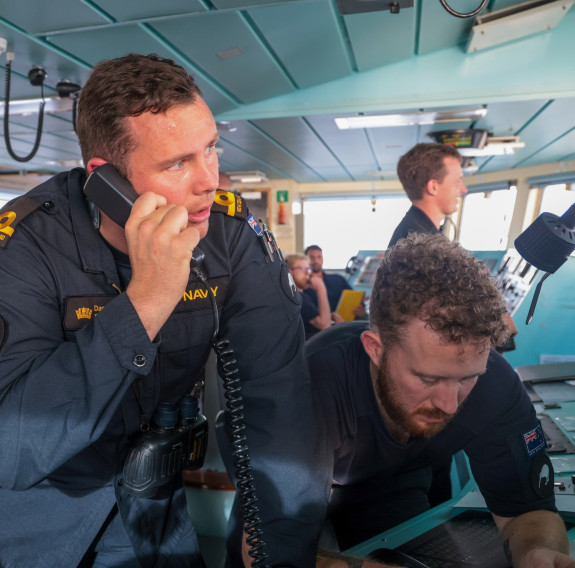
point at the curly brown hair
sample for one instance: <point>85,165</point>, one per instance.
<point>422,163</point>
<point>123,87</point>
<point>436,280</point>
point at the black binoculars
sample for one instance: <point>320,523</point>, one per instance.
<point>177,440</point>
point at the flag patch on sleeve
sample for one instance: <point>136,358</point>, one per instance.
<point>534,440</point>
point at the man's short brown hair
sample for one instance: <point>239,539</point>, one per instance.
<point>123,87</point>
<point>422,163</point>
<point>433,279</point>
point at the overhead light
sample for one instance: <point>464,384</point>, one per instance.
<point>254,176</point>
<point>521,20</point>
<point>469,166</point>
<point>225,126</point>
<point>21,182</point>
<point>410,118</point>
<point>381,173</point>
<point>30,106</point>
<point>495,146</point>
<point>71,163</point>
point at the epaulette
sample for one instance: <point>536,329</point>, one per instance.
<point>229,203</point>
<point>11,215</point>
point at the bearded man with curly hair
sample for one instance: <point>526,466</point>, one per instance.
<point>420,383</point>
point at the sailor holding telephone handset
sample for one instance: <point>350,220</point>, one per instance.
<point>101,325</point>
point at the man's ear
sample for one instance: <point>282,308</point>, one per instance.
<point>93,163</point>
<point>431,187</point>
<point>372,346</point>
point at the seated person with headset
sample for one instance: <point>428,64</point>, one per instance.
<point>422,380</point>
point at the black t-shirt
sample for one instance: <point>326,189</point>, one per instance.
<point>379,482</point>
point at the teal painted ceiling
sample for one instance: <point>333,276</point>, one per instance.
<point>280,71</point>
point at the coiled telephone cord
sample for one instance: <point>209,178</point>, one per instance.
<point>228,370</point>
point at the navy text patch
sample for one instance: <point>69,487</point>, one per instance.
<point>196,297</point>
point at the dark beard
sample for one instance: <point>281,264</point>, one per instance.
<point>387,396</point>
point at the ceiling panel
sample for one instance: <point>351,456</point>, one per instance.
<point>301,141</point>
<point>227,48</point>
<point>549,133</point>
<point>39,17</point>
<point>287,68</point>
<point>95,45</point>
<point>251,140</point>
<point>149,9</point>
<point>508,119</point>
<point>243,4</point>
<point>351,148</point>
<point>563,147</point>
<point>380,38</point>
<point>99,44</point>
<point>438,29</point>
<point>317,54</point>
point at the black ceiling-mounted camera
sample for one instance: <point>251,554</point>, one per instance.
<point>65,88</point>
<point>36,76</point>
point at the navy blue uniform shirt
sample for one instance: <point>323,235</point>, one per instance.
<point>414,221</point>
<point>75,358</point>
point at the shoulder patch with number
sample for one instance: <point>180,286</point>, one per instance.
<point>229,203</point>
<point>12,215</point>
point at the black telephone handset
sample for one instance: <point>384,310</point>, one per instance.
<point>109,191</point>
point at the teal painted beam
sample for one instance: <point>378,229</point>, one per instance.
<point>538,67</point>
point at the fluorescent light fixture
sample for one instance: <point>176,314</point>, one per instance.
<point>21,183</point>
<point>523,19</point>
<point>252,195</point>
<point>225,126</point>
<point>381,173</point>
<point>71,163</point>
<point>254,176</point>
<point>496,146</point>
<point>411,118</point>
<point>470,167</point>
<point>32,106</point>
